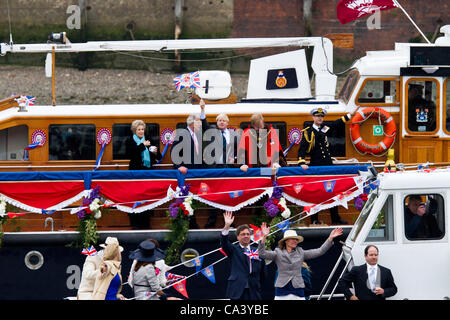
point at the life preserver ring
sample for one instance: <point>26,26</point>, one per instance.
<point>389,130</point>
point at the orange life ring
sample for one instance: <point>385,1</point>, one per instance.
<point>389,130</point>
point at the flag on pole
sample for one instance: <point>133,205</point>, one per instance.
<point>172,278</point>
<point>187,80</point>
<point>349,10</point>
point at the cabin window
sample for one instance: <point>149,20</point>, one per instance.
<point>12,142</point>
<point>422,101</point>
<point>336,137</point>
<point>349,85</point>
<point>379,92</point>
<point>277,125</point>
<point>447,103</point>
<point>383,227</point>
<point>424,216</point>
<point>72,142</point>
<point>122,132</point>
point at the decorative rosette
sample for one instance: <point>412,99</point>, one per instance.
<point>104,136</point>
<point>38,136</point>
<point>295,134</point>
<point>167,136</point>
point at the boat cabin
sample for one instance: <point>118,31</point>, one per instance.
<point>417,250</point>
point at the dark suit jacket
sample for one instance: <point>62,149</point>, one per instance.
<point>240,271</point>
<point>190,164</point>
<point>134,153</point>
<point>358,276</point>
<point>234,144</point>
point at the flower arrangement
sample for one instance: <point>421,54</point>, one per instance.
<point>88,213</point>
<point>179,212</point>
<point>360,201</point>
<point>277,204</point>
<point>277,210</point>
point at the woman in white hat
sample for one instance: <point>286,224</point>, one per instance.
<point>289,259</point>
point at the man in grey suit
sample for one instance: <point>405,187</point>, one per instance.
<point>371,281</point>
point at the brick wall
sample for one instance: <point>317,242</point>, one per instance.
<point>263,18</point>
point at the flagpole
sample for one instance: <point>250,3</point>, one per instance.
<point>410,19</point>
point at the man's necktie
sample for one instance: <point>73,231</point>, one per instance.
<point>372,278</point>
<point>194,137</point>
<point>224,147</point>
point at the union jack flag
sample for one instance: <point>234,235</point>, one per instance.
<point>252,254</point>
<point>28,100</point>
<point>90,251</point>
<point>172,278</point>
<point>188,80</point>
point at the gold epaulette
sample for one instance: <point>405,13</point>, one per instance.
<point>301,160</point>
<point>311,140</point>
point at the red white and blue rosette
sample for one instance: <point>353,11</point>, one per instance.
<point>39,137</point>
<point>104,136</point>
<point>167,136</point>
<point>295,135</point>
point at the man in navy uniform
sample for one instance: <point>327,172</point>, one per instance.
<point>315,143</point>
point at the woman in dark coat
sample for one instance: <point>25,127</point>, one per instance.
<point>142,157</point>
<point>141,153</point>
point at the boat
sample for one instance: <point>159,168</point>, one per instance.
<point>379,83</point>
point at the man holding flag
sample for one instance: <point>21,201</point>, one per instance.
<point>244,282</point>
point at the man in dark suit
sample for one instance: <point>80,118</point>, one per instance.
<point>222,139</point>
<point>315,143</point>
<point>244,282</point>
<point>371,281</point>
<point>186,151</point>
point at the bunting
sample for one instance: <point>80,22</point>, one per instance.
<point>208,272</point>
<point>181,288</point>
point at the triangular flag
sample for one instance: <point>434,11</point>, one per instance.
<point>198,261</point>
<point>297,187</point>
<point>223,252</point>
<point>235,194</point>
<point>204,188</point>
<point>257,233</point>
<point>15,214</point>
<point>181,287</point>
<point>209,273</point>
<point>284,225</point>
<point>329,185</point>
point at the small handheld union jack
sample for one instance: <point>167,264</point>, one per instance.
<point>252,254</point>
<point>90,251</point>
<point>188,80</point>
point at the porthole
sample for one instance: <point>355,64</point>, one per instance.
<point>188,255</point>
<point>34,260</point>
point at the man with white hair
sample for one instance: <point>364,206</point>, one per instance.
<point>188,140</point>
<point>227,146</point>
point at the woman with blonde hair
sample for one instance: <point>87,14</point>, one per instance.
<point>108,284</point>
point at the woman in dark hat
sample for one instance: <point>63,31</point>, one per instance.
<point>145,282</point>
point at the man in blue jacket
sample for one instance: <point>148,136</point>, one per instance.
<point>244,282</point>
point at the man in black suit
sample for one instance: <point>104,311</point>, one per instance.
<point>187,152</point>
<point>371,281</point>
<point>244,282</point>
<point>222,139</point>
